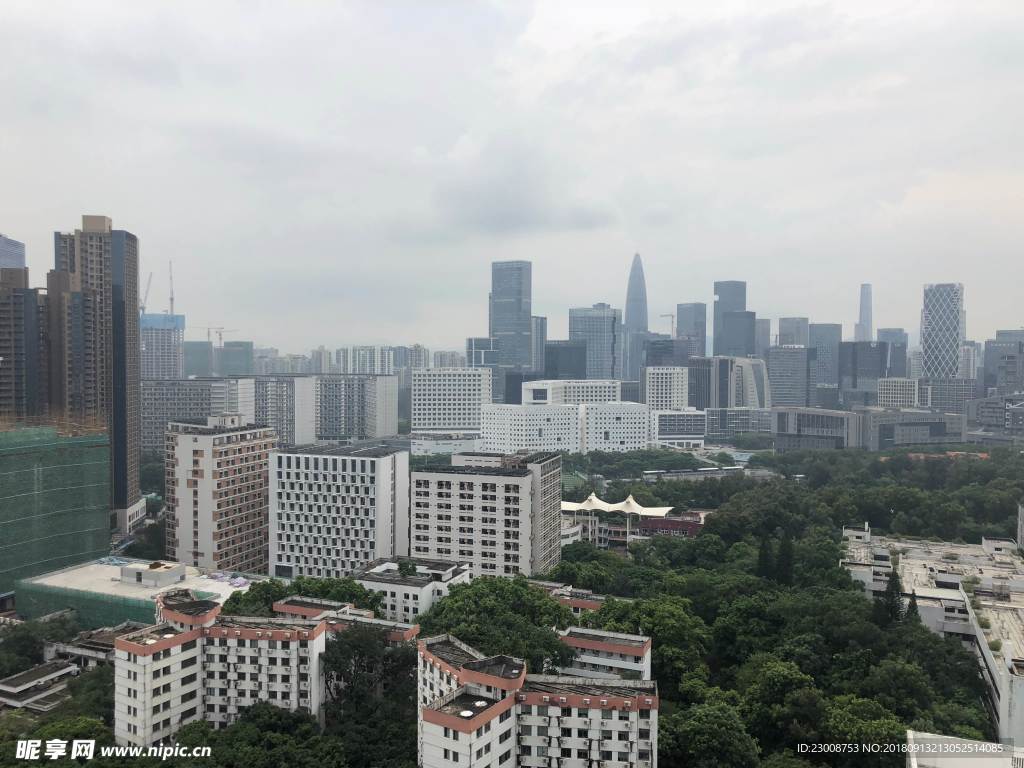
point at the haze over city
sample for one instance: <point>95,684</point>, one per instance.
<point>347,174</point>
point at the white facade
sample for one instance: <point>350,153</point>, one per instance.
<point>513,428</point>
<point>571,391</point>
<point>604,654</point>
<point>449,399</point>
<point>898,393</point>
<point>684,429</point>
<point>288,404</point>
<point>335,510</point>
<point>216,479</point>
<point>502,519</point>
<point>406,597</point>
<point>614,427</point>
<point>666,388</point>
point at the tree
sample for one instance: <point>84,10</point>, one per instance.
<point>784,563</point>
<point>259,599</point>
<point>765,559</point>
<point>706,736</point>
<point>889,605</point>
<point>406,568</point>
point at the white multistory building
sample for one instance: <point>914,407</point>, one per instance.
<point>666,388</point>
<point>334,510</point>
<point>685,429</point>
<point>478,710</point>
<point>167,400</point>
<point>571,391</point>
<point>217,486</point>
<point>288,404</point>
<point>162,346</point>
<point>449,399</point>
<point>500,514</point>
<point>614,427</point>
<point>411,586</point>
<point>355,407</point>
<point>603,654</point>
<point>898,393</point>
<point>513,428</point>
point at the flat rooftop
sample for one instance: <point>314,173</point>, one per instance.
<point>584,686</point>
<point>506,667</point>
<point>39,672</point>
<point>615,638</point>
<point>152,635</point>
<point>364,451</point>
<point>477,471</point>
<point>451,653</point>
<point>103,577</point>
<point>466,706</point>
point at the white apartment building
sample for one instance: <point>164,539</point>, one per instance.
<point>614,427</point>
<point>414,592</point>
<point>335,509</point>
<point>666,388</point>
<point>500,514</point>
<point>487,711</point>
<point>167,400</point>
<point>571,391</point>
<point>217,493</point>
<point>514,428</point>
<point>449,399</point>
<point>604,654</point>
<point>684,429</point>
<point>288,404</point>
<point>355,407</point>
<point>162,340</point>
<point>196,665</point>
<point>898,393</point>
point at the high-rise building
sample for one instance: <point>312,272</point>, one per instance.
<point>356,407</point>
<point>762,336</point>
<point>508,520</point>
<point>167,400</point>
<point>600,327</point>
<point>692,323</point>
<point>826,338</point>
<point>54,501</point>
<point>864,329</point>
<point>321,360</point>
<point>375,360</point>
<point>449,359</point>
<point>217,494</point>
<point>198,357</point>
<point>670,352</point>
<point>24,348</point>
<point>793,376</point>
<point>730,296</point>
<point>334,510</point>
<point>738,338</point>
<point>287,404</point>
<point>538,340</point>
<point>94,366</point>
<point>482,352</point>
<point>565,359</point>
<point>665,388</point>
<point>942,329</point>
<point>571,392</point>
<point>970,362</point>
<point>899,345</point>
<point>163,351</point>
<point>510,315</point>
<point>12,253</point>
<point>898,392</point>
<point>236,359</point>
<point>861,365</point>
<point>449,399</point>
<point>794,331</point>
<point>635,320</point>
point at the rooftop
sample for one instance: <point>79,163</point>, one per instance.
<point>482,471</point>
<point>385,571</point>
<point>152,634</point>
<point>506,667</point>
<point>450,652</point>
<point>465,705</point>
<point>585,686</point>
<point>37,673</point>
<point>616,638</point>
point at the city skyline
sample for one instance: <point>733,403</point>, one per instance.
<point>339,196</point>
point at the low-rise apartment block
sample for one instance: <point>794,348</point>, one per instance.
<point>411,586</point>
<point>604,654</point>
<point>571,391</point>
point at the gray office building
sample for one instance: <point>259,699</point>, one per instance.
<point>198,356</point>
<point>899,343</point>
<point>12,253</point>
<point>600,326</point>
<point>861,365</point>
<point>730,296</point>
<point>762,336</point>
<point>565,359</point>
<point>692,322</point>
<point>826,338</point>
<point>510,317</point>
<point>538,340</point>
<point>793,376</point>
<point>236,359</point>
<point>737,338</point>
<point>794,331</point>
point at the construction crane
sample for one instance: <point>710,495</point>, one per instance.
<point>672,322</point>
<point>219,330</point>
<point>145,295</point>
<point>170,275</point>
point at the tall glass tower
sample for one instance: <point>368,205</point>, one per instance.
<point>942,329</point>
<point>510,312</point>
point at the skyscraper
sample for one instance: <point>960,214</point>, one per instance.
<point>942,329</point>
<point>95,285</point>
<point>538,338</point>
<point>692,322</point>
<point>737,337</point>
<point>861,365</point>
<point>510,316</point>
<point>565,360</point>
<point>198,356</point>
<point>600,327</point>
<point>730,296</point>
<point>762,336</point>
<point>793,376</point>
<point>24,347</point>
<point>826,338</point>
<point>899,344</point>
<point>864,330</point>
<point>635,320</point>
<point>236,358</point>
<point>163,346</point>
<point>794,331</point>
<point>12,253</point>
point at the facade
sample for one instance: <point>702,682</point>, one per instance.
<point>670,352</point>
<point>666,388</point>
<point>94,347</point>
<point>792,375</point>
<point>723,424</point>
<point>54,501</point>
<point>217,493</point>
<point>864,329</point>
<point>513,428</point>
<point>600,328</point>
<point>24,345</point>
<point>499,513</point>
<point>373,360</point>
<point>607,655</point>
<point>882,429</point>
<point>510,315</point>
<point>449,360</point>
<point>565,359</point>
<point>899,344</point>
<point>738,337</point>
<point>684,429</point>
<point>730,296</point>
<point>825,338</point>
<point>802,429</point>
<point>449,399</point>
<point>287,404</point>
<point>12,253</point>
<point>198,358</point>
<point>571,392</point>
<point>407,595</point>
<point>236,358</point>
<point>692,323</point>
<point>898,393</point>
<point>475,710</point>
<point>762,336</point>
<point>334,510</point>
<point>355,407</point>
<point>1003,371</point>
<point>947,395</point>
<point>614,427</point>
<point>942,329</point>
<point>538,343</point>
<point>861,365</point>
<point>794,331</point>
<point>167,400</point>
<point>163,346</point>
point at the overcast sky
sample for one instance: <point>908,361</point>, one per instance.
<point>344,173</point>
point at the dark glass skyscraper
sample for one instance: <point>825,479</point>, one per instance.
<point>510,312</point>
<point>826,338</point>
<point>730,296</point>
<point>692,323</point>
<point>899,343</point>
<point>565,360</point>
<point>861,365</point>
<point>737,338</point>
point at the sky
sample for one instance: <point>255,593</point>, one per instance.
<point>344,173</point>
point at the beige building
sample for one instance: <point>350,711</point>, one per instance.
<point>218,493</point>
